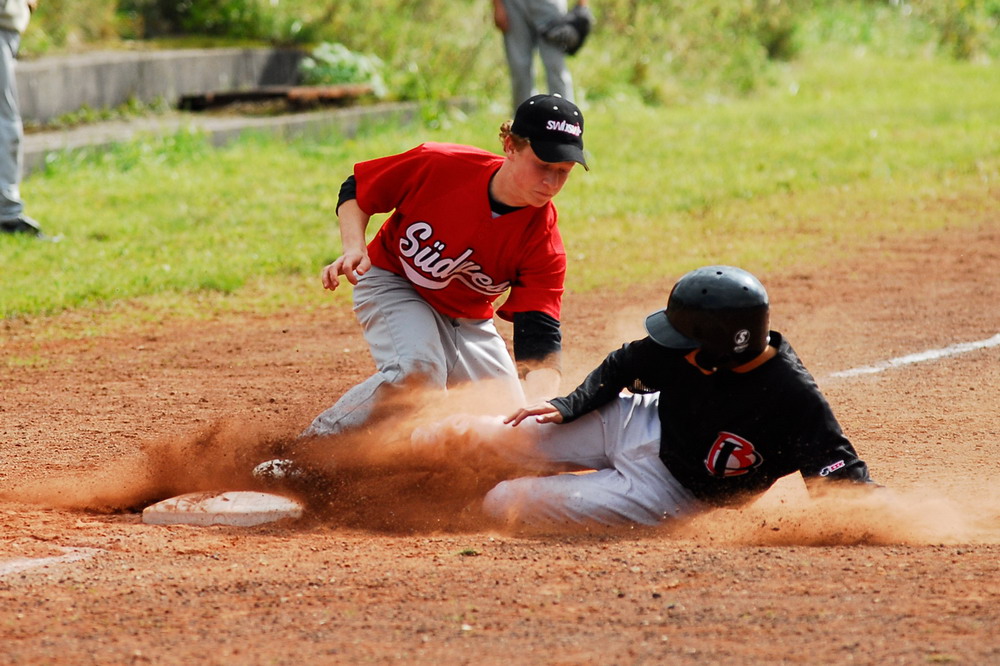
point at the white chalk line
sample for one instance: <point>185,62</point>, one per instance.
<point>16,565</point>
<point>930,355</point>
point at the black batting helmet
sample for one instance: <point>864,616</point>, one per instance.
<point>720,310</point>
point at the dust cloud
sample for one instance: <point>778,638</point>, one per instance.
<point>788,516</point>
<point>384,479</point>
<point>218,457</point>
<point>373,479</point>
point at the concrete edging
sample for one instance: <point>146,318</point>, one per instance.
<point>55,86</point>
<point>221,129</point>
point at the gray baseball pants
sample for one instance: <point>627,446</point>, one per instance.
<point>411,341</point>
<point>620,442</point>
<point>11,129</point>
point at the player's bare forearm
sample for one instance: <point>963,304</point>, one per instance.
<point>353,223</point>
<point>354,262</point>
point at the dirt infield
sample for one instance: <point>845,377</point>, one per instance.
<point>90,426</point>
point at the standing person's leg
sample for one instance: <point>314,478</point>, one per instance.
<point>405,336</point>
<point>557,75</point>
<point>11,129</point>
<point>630,484</point>
<point>519,44</point>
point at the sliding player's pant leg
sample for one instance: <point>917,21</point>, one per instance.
<point>629,484</point>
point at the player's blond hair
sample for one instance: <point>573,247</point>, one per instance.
<point>520,143</point>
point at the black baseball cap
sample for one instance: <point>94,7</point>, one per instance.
<point>554,128</point>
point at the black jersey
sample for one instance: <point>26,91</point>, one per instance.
<point>727,435</point>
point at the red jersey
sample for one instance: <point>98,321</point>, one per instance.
<point>443,238</point>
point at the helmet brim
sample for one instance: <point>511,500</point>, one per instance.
<point>663,333</point>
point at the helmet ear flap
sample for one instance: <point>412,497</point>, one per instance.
<point>732,337</point>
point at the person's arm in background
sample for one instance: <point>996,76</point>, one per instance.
<point>500,15</point>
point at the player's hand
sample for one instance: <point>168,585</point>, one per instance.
<point>351,265</point>
<point>544,412</point>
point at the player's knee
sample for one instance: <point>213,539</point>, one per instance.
<point>505,501</point>
<point>522,502</point>
<point>416,372</point>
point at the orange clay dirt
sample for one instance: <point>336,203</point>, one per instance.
<point>402,569</point>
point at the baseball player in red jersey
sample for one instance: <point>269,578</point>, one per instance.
<point>467,225</point>
<point>709,410</point>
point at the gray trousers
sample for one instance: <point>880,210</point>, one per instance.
<point>523,37</point>
<point>11,129</point>
<point>413,344</point>
<point>620,442</point>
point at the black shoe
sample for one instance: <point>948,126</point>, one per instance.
<point>22,224</point>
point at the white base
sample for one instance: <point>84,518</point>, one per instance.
<point>237,508</point>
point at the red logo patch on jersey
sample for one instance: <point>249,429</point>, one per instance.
<point>731,455</point>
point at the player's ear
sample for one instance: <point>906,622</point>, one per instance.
<point>508,145</point>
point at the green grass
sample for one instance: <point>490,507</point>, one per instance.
<point>837,151</point>
<point>699,181</point>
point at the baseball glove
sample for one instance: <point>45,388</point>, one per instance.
<point>570,31</point>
